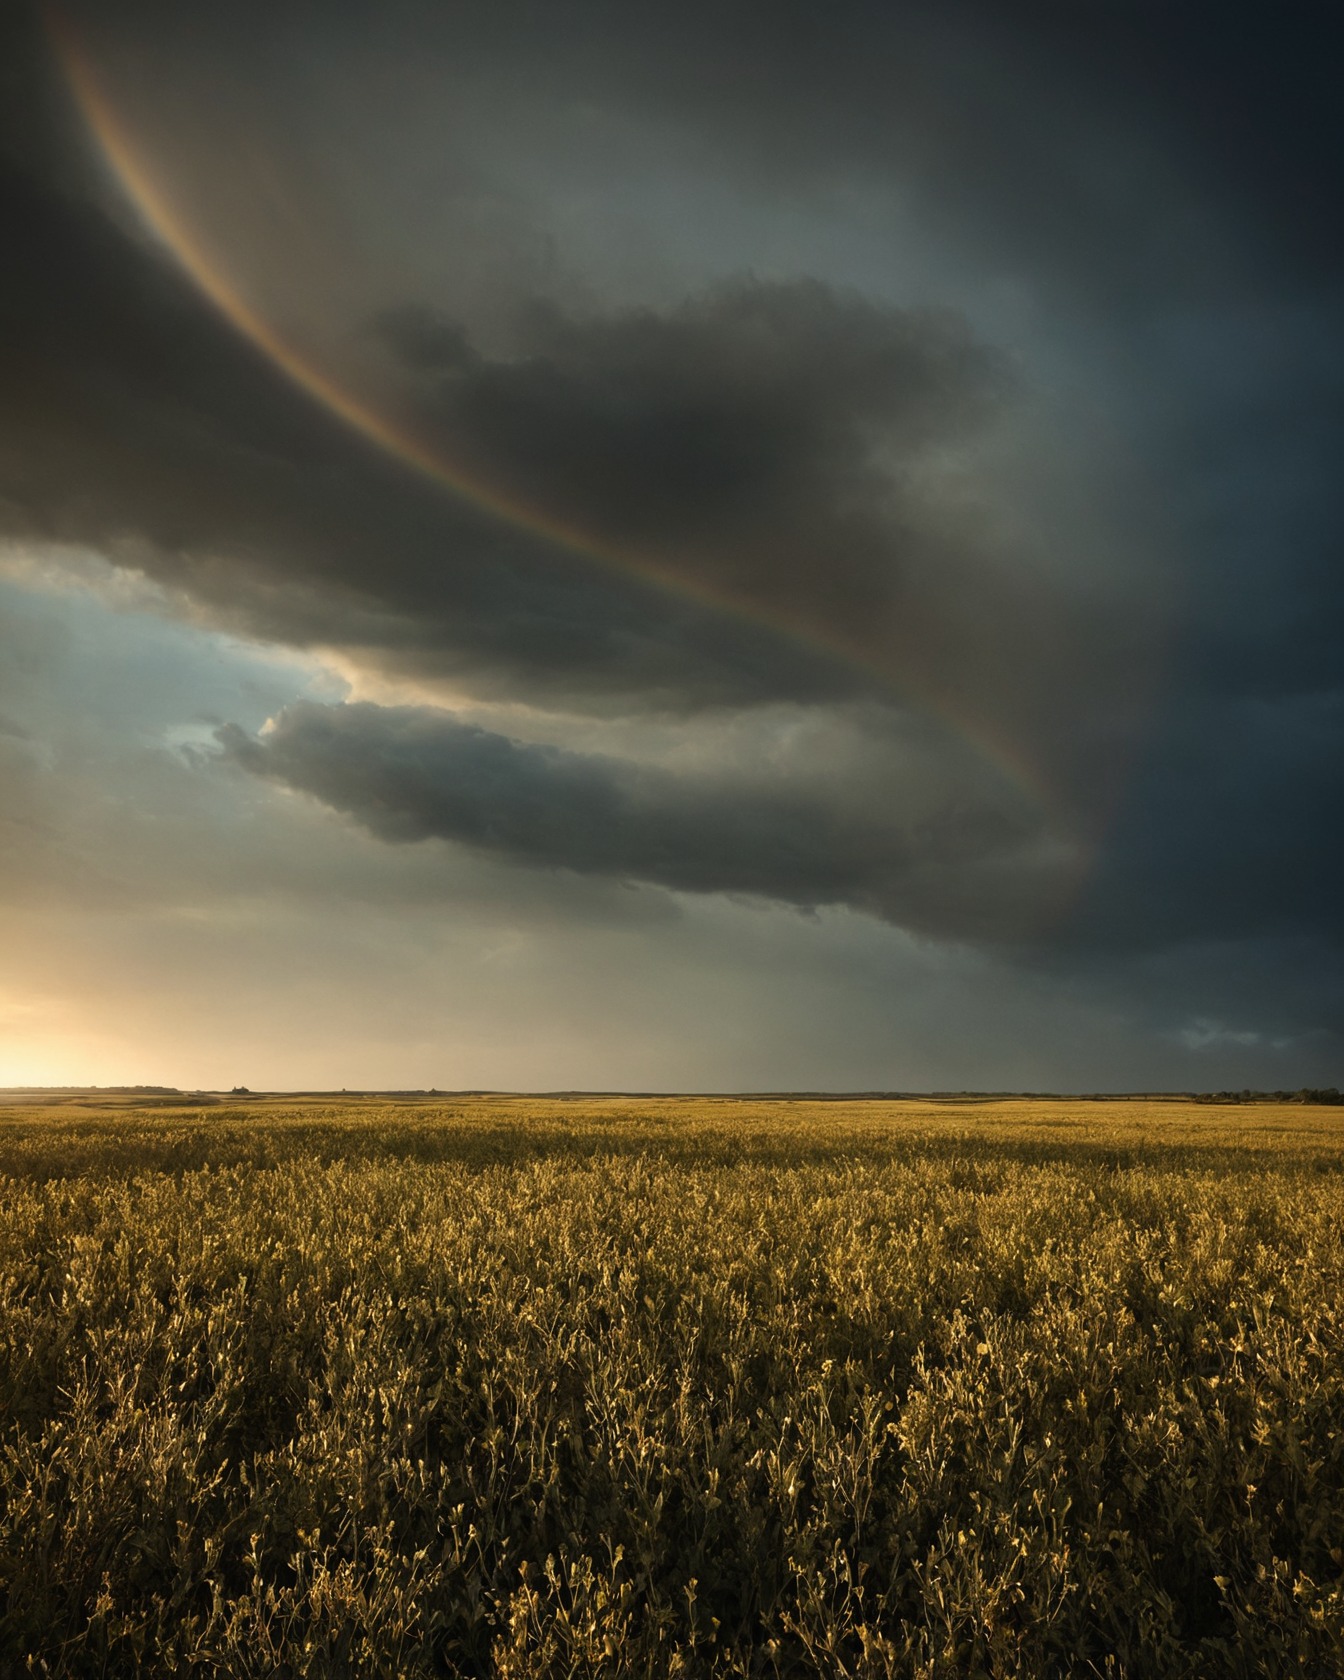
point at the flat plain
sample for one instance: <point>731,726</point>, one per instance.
<point>635,1387</point>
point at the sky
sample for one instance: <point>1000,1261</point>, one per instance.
<point>671,547</point>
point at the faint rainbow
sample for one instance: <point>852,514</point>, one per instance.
<point>162,219</point>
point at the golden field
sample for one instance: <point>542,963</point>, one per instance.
<point>642,1387</point>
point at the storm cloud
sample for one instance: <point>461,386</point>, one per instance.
<point>721,449</point>
<point>770,478</point>
<point>881,462</point>
<point>412,774</point>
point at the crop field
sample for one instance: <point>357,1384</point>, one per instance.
<point>632,1388</point>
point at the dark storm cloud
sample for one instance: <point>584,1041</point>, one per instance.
<point>725,445</point>
<point>1121,151</point>
<point>752,445</point>
<point>1232,830</point>
<point>732,437</point>
<point>1111,145</point>
<point>1231,839</point>
<point>131,416</point>
<point>411,774</point>
<point>761,445</point>
<point>1166,178</point>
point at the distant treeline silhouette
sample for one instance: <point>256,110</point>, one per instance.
<point>1306,1095</point>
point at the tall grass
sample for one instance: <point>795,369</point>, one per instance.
<point>617,1389</point>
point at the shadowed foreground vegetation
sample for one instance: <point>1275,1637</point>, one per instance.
<point>640,1388</point>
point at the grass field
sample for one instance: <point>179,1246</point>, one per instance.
<point>650,1387</point>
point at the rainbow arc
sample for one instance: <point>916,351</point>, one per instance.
<point>164,219</point>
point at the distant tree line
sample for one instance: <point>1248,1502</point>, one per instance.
<point>1306,1095</point>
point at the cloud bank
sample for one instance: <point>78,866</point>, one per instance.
<point>412,774</point>
<point>956,377</point>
